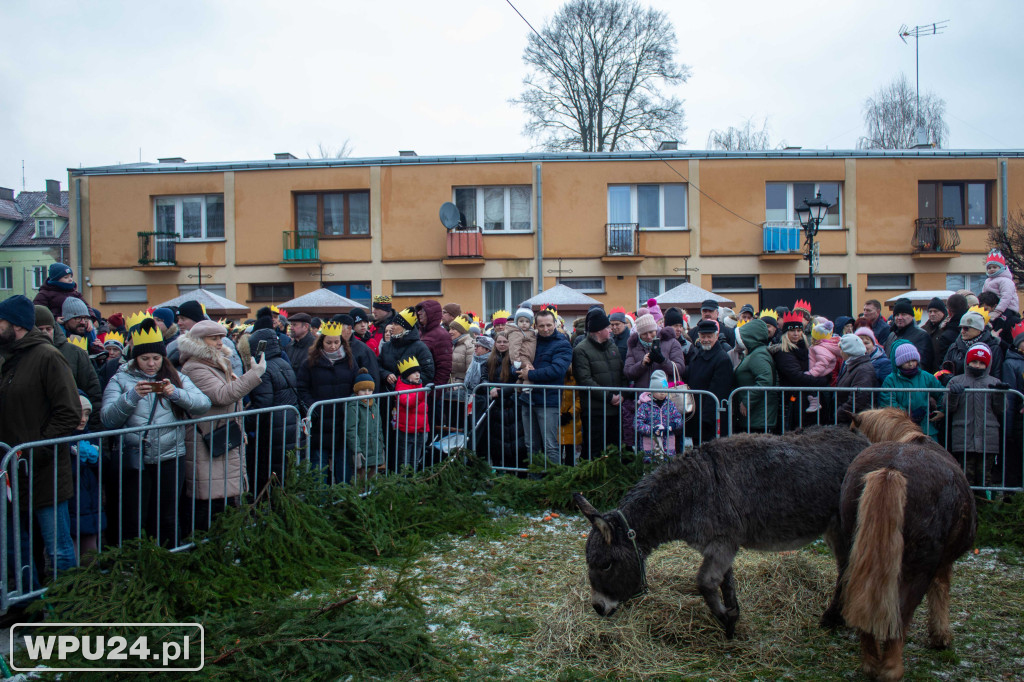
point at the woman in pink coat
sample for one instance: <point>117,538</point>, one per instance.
<point>1000,282</point>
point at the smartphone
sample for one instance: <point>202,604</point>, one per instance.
<point>261,347</point>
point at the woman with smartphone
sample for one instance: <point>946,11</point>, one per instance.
<point>148,391</point>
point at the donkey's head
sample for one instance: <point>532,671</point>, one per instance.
<point>614,564</point>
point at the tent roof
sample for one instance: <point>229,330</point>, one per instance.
<point>689,295</point>
<point>920,296</point>
<point>562,295</point>
<point>210,300</point>
<point>321,300</point>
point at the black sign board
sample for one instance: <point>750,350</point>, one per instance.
<point>830,302</point>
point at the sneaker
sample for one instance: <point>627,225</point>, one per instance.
<point>814,404</point>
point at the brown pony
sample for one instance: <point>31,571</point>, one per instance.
<point>908,511</point>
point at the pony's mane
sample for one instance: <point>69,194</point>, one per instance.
<point>888,424</point>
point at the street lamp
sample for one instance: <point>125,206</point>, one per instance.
<point>810,216</point>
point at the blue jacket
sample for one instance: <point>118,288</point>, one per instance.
<point>551,363</point>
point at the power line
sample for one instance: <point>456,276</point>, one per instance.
<point>672,168</point>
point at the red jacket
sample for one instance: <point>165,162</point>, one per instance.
<point>412,408</point>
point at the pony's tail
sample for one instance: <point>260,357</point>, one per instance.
<point>871,594</point>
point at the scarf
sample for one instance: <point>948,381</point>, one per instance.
<point>335,356</point>
<point>975,372</point>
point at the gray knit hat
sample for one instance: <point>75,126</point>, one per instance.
<point>74,307</point>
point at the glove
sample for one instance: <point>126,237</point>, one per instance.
<point>955,389</point>
<point>430,387</point>
<point>1001,385</point>
<point>917,414</point>
<point>88,453</point>
<point>259,367</point>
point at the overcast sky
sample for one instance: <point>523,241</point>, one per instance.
<point>92,83</point>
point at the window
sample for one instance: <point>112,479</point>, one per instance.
<point>649,206</point>
<point>416,287</point>
<point>649,287</point>
<point>219,289</point>
<point>191,217</point>
<point>967,203</point>
<point>821,281</point>
<point>334,214</point>
<point>125,294</point>
<point>584,285</point>
<point>505,294</point>
<point>45,228</point>
<point>271,292</point>
<point>733,283</point>
<point>971,281</point>
<point>889,282</point>
<point>6,278</point>
<point>781,200</point>
<point>497,209</point>
<point>357,291</point>
<point>38,276</point>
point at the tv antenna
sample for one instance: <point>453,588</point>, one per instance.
<point>917,32</point>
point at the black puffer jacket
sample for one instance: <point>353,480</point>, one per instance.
<point>298,350</point>
<point>710,370</point>
<point>957,352</point>
<point>405,346</point>
<point>792,366</point>
<point>324,380</point>
<point>278,387</point>
<point>921,340</point>
<point>598,364</point>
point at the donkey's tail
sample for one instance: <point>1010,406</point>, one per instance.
<point>871,593</point>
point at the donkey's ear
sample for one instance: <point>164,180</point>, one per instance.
<point>847,417</point>
<point>594,517</point>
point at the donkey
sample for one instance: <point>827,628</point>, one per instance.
<point>908,509</point>
<point>757,491</point>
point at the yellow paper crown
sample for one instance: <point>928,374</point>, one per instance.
<point>769,314</point>
<point>981,311</point>
<point>79,341</point>
<point>227,324</point>
<point>500,315</point>
<point>407,364</point>
<point>330,329</point>
<point>409,315</point>
<point>135,319</point>
<point>917,314</point>
<point>741,322</point>
<point>273,309</point>
<point>113,336</point>
<point>146,332</point>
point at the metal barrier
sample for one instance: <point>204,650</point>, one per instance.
<point>947,418</point>
<point>116,494</point>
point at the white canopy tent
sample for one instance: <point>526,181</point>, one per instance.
<point>216,306</point>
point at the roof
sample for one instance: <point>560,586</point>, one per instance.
<point>690,295</point>
<point>27,203</point>
<point>212,301</point>
<point>680,155</point>
<point>562,295</point>
<point>920,296</point>
<point>320,300</point>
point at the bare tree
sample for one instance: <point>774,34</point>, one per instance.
<point>1011,244</point>
<point>324,151</point>
<point>596,76</point>
<point>746,138</point>
<point>891,117</point>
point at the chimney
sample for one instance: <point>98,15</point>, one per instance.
<point>407,152</point>
<point>172,159</point>
<point>6,193</point>
<point>668,146</point>
<point>53,192</point>
<point>284,156</point>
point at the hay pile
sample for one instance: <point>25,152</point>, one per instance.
<point>670,631</point>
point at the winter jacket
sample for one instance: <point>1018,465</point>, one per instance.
<point>52,296</point>
<point>411,412</point>
<point>881,329</point>
<point>108,370</point>
<point>757,369</point>
<point>571,430</point>
<point>914,403</point>
<point>367,359</point>
<point>921,340</point>
<point>206,477</point>
<point>1003,286</point>
<point>935,332</point>
<point>723,331</point>
<point>550,365</point>
<point>947,337</point>
<point>376,331</point>
<point>298,350</point>
<point>277,388</point>
<point>710,370</point>
<point>84,372</point>
<point>882,364</point>
<point>824,358</point>
<point>326,380</point>
<point>86,512</point>
<point>364,434</point>
<point>638,373</point>
<point>598,365</point>
<point>39,401</point>
<point>233,354</point>
<point>405,346</point>
<point>438,341</point>
<point>792,367</point>
<point>1012,374</point>
<point>857,372</point>
<point>462,356</point>
<point>975,417</point>
<point>622,341</point>
<point>474,375</point>
<point>657,425</point>
<point>957,352</point>
<point>124,408</point>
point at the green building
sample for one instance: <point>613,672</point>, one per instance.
<point>34,232</point>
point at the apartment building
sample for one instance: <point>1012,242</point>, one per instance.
<point>620,227</point>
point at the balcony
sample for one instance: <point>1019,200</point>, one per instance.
<point>782,240</point>
<point>156,249</point>
<point>465,246</point>
<point>935,238</point>
<point>300,247</point>
<point>622,242</point>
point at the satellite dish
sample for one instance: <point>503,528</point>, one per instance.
<point>451,218</point>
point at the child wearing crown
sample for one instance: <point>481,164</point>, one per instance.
<point>411,414</point>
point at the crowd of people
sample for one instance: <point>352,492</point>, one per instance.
<point>381,385</point>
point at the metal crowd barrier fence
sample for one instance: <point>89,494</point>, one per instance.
<point>112,493</point>
<point>986,437</point>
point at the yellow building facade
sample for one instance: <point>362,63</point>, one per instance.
<point>619,227</point>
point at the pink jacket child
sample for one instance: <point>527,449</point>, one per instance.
<point>657,420</point>
<point>824,358</point>
<point>999,280</point>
